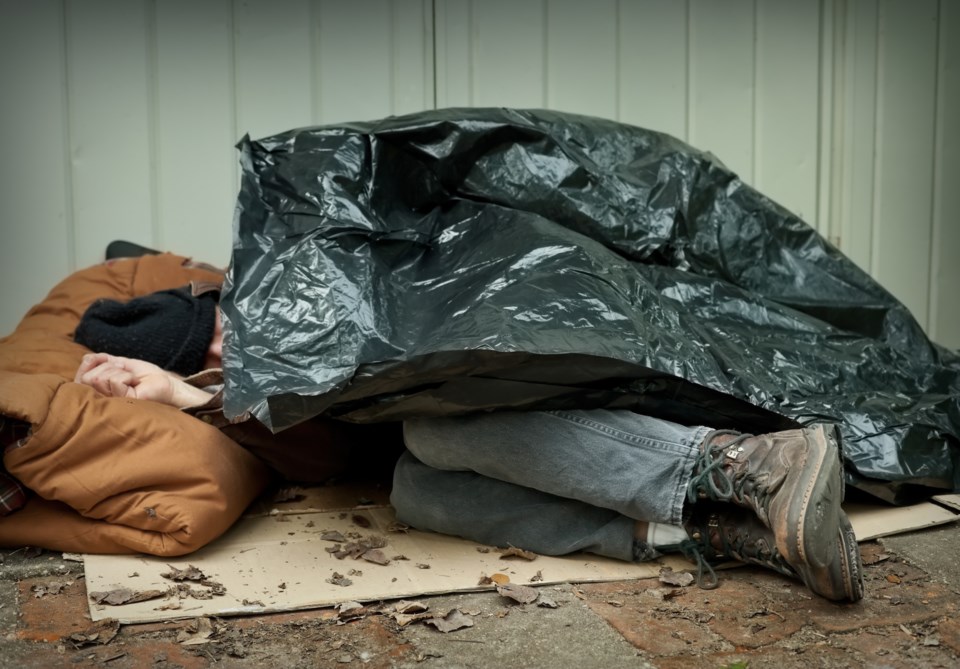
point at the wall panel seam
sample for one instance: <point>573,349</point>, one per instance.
<point>153,158</point>
<point>68,205</point>
<point>877,153</point>
<point>933,267</point>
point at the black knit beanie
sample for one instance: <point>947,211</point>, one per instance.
<point>171,328</point>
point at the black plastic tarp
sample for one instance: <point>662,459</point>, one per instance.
<point>475,259</point>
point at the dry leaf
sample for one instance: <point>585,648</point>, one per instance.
<point>203,630</point>
<point>496,579</point>
<point>454,620</point>
<point>121,596</point>
<point>333,536</point>
<point>670,577</point>
<point>339,579</point>
<point>523,594</point>
<point>52,588</point>
<point>101,633</point>
<point>893,578</point>
<point>405,606</point>
<point>191,573</point>
<point>350,610</point>
<point>376,556</point>
<point>513,551</point>
<point>360,521</point>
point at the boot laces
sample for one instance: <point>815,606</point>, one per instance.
<point>716,484</point>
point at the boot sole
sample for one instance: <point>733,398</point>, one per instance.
<point>814,515</point>
<point>842,580</point>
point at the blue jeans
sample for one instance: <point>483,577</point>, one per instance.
<point>551,482</point>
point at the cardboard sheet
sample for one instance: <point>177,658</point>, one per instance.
<point>277,561</point>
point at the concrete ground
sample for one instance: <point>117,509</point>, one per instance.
<point>755,619</point>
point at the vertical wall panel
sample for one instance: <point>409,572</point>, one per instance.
<point>855,184</point>
<point>361,50</point>
<point>902,201</point>
<point>653,65</point>
<point>34,187</point>
<point>196,127</point>
<point>786,129</point>
<point>274,66</point>
<point>412,56</point>
<point>508,37</point>
<point>722,81</point>
<point>454,65</point>
<point>582,57</point>
<point>945,280</point>
<point>110,130</point>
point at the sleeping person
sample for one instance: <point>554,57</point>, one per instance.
<point>167,347</point>
<point>615,483</point>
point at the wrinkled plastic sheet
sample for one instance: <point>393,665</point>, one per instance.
<point>468,260</point>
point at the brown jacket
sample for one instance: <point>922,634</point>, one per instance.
<point>112,475</point>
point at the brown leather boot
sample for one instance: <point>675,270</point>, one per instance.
<point>721,532</point>
<point>791,480</point>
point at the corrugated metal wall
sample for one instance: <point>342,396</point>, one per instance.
<point>119,116</point>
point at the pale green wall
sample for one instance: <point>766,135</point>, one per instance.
<point>118,117</point>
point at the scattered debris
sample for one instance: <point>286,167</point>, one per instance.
<point>339,579</point>
<point>252,602</point>
<point>513,551</point>
<point>495,579</point>
<point>52,588</point>
<point>351,610</point>
<point>150,511</point>
<point>537,578</point>
<point>876,559</point>
<point>522,594</point>
<point>397,526</point>
<point>376,556</point>
<point>450,622</point>
<point>357,549</point>
<point>616,603</point>
<point>546,602</point>
<point>333,535</point>
<point>421,565</point>
<point>670,577</point>
<point>120,596</point>
<point>191,573</point>
<point>198,632</point>
<point>101,633</point>
<point>662,594</point>
<point>483,549</point>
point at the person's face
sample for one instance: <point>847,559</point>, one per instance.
<point>214,357</point>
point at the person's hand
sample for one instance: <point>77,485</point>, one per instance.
<point>115,376</point>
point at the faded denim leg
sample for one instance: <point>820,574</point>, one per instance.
<point>620,461</point>
<point>488,511</point>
